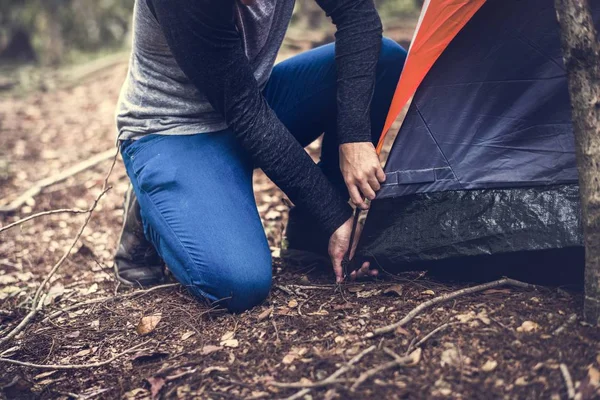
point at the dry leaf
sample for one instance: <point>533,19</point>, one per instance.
<point>428,292</point>
<point>594,377</point>
<point>293,303</point>
<point>289,358</point>
<point>265,314</point>
<point>230,343</point>
<point>394,290</point>
<point>415,356</point>
<point>45,374</point>
<point>356,289</point>
<point>206,350</point>
<point>368,293</point>
<point>521,381</point>
<point>187,335</point>
<point>156,384</point>
<point>489,366</point>
<point>528,326</point>
<point>227,336</point>
<point>208,370</point>
<point>147,324</point>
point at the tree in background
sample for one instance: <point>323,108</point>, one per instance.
<point>581,52</point>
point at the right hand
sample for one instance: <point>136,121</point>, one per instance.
<point>339,244</point>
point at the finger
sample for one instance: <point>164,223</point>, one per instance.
<point>373,272</point>
<point>357,198</point>
<point>366,190</point>
<point>380,175</point>
<point>337,269</point>
<point>375,185</point>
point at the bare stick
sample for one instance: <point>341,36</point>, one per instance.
<point>41,214</point>
<point>430,335</point>
<point>109,298</point>
<point>443,298</point>
<point>572,318</point>
<point>71,366</point>
<point>333,378</point>
<point>37,302</point>
<point>40,185</point>
<point>397,362</point>
<point>568,381</point>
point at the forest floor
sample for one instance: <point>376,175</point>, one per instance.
<point>504,342</point>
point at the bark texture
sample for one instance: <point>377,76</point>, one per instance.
<point>581,52</point>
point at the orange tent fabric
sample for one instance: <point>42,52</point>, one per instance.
<point>440,22</point>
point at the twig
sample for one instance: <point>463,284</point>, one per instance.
<point>311,385</point>
<point>572,318</point>
<point>568,381</point>
<point>397,362</point>
<point>443,298</point>
<point>430,334</point>
<point>327,381</point>
<point>71,366</point>
<point>109,298</point>
<point>40,185</point>
<point>38,299</point>
<point>41,214</point>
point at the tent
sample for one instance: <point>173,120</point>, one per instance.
<point>484,162</point>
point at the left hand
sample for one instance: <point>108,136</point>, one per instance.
<point>338,245</point>
<point>362,171</point>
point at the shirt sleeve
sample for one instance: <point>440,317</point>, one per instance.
<point>203,38</point>
<point>357,47</point>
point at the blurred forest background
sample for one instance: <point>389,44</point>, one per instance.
<point>50,33</point>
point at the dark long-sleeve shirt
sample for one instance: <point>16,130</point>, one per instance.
<point>206,43</point>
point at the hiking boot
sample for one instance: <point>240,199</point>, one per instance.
<point>137,262</point>
<point>305,243</point>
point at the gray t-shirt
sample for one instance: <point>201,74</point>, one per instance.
<point>157,97</point>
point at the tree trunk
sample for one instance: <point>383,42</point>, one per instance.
<point>581,52</point>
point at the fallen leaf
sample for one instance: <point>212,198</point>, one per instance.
<point>293,303</point>
<point>528,326</point>
<point>394,290</point>
<point>415,356</point>
<point>156,384</point>
<point>489,366</point>
<point>368,293</point>
<point>428,292</point>
<point>45,374</point>
<point>289,358</point>
<point>91,289</point>
<point>594,377</point>
<point>227,336</point>
<point>230,343</point>
<point>187,335</point>
<point>265,314</point>
<point>208,370</point>
<point>521,381</point>
<point>209,349</point>
<point>319,313</point>
<point>147,324</point>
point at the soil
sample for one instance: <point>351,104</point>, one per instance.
<point>502,342</point>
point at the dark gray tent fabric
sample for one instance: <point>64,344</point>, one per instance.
<point>493,111</point>
<point>484,163</point>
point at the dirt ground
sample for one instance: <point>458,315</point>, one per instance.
<point>504,342</point>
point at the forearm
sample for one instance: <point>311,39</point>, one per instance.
<point>358,43</point>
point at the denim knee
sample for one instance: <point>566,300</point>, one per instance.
<point>392,54</point>
<point>247,291</point>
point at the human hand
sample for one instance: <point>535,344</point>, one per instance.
<point>362,171</point>
<point>339,244</point>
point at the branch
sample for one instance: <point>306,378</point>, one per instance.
<point>40,185</point>
<point>398,362</point>
<point>333,378</point>
<point>568,381</point>
<point>71,366</point>
<point>43,213</point>
<point>442,299</point>
<point>38,300</point>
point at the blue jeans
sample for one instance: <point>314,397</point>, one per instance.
<point>195,191</point>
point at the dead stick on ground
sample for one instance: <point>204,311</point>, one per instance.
<point>568,381</point>
<point>443,298</point>
<point>568,322</point>
<point>37,302</point>
<point>40,185</point>
<point>397,362</point>
<point>72,366</point>
<point>333,378</point>
<point>41,214</point>
<point>109,298</point>
<point>430,335</point>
